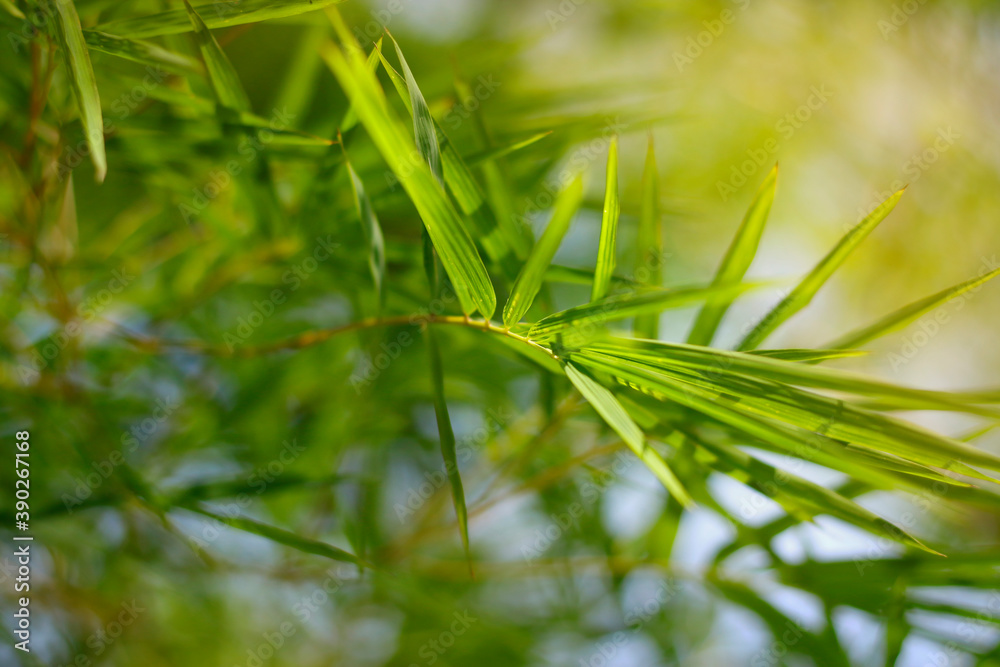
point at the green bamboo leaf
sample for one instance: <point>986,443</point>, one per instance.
<point>225,82</point>
<point>447,436</point>
<point>820,414</point>
<point>649,240</point>
<point>908,314</point>
<point>609,228</point>
<point>803,293</point>
<point>219,14</point>
<point>281,536</point>
<point>809,496</point>
<point>612,412</point>
<point>808,355</point>
<point>557,273</point>
<point>737,260</point>
<point>423,123</point>
<point>451,240</point>
<point>596,314</point>
<point>764,368</point>
<point>502,151</point>
<point>69,36</point>
<point>804,445</point>
<point>142,52</point>
<point>530,279</point>
<point>460,182</point>
<point>372,232</point>
<point>351,117</point>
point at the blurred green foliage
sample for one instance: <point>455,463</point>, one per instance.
<point>233,466</point>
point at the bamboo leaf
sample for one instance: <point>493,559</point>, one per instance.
<point>372,231</point>
<point>612,412</point>
<point>219,14</point>
<point>649,239</point>
<point>737,260</point>
<point>351,117</point>
<point>225,82</point>
<point>447,436</point>
<point>620,306</point>
<point>803,293</point>
<point>530,279</point>
<point>461,183</point>
<point>808,355</point>
<point>908,314</point>
<point>69,36</point>
<point>454,245</point>
<point>282,536</point>
<point>423,123</point>
<point>609,228</point>
<point>142,52</point>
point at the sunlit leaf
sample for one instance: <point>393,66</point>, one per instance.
<point>530,279</point>
<point>609,228</point>
<point>803,293</point>
<point>737,260</point>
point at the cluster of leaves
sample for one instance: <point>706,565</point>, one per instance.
<point>686,410</point>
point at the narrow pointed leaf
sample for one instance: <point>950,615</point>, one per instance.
<point>620,306</point>
<point>142,52</point>
<point>220,14</point>
<point>815,499</point>
<point>69,36</point>
<point>803,293</point>
<point>609,228</point>
<point>281,536</point>
<point>501,151</point>
<point>649,240</point>
<point>447,437</point>
<point>225,83</point>
<point>423,123</point>
<point>808,355</point>
<point>373,235</point>
<point>529,281</point>
<point>482,222</point>
<point>351,117</point>
<point>908,314</point>
<point>612,412</point>
<point>737,260</point>
<point>451,240</point>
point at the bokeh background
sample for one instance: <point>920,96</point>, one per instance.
<point>853,99</point>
